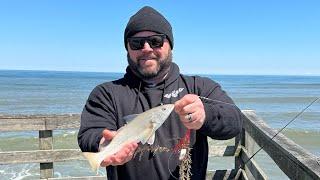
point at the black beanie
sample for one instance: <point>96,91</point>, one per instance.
<point>148,19</point>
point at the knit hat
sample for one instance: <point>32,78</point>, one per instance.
<point>148,19</point>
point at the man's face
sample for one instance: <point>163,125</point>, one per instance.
<point>148,61</point>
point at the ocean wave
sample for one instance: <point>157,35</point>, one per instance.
<point>19,171</point>
<point>275,99</point>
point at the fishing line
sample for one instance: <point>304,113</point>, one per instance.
<point>171,156</point>
<point>203,99</point>
<point>294,118</point>
<point>303,110</point>
<point>213,100</point>
<point>241,166</point>
<point>169,166</point>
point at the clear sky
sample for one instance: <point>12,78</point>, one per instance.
<point>211,37</point>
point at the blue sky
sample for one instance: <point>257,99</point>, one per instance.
<point>211,37</point>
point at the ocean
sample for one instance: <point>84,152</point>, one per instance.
<point>277,99</point>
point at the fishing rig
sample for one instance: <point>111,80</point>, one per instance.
<point>294,118</point>
<point>183,146</point>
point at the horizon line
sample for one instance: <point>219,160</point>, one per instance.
<point>226,74</point>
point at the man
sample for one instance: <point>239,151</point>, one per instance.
<point>152,79</point>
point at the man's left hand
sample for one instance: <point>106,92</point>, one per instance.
<point>191,111</point>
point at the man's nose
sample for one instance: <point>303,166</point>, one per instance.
<point>146,47</point>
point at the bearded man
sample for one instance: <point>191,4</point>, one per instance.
<point>152,79</point>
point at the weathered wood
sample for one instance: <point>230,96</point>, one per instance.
<point>81,178</point>
<point>251,168</point>
<point>221,174</point>
<point>219,151</point>
<point>38,122</point>
<point>293,160</point>
<point>244,175</point>
<point>249,144</point>
<point>46,170</point>
<point>227,174</point>
<point>238,143</point>
<point>45,140</point>
<point>46,143</point>
<point>40,156</point>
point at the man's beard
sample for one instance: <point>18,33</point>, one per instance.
<point>162,68</point>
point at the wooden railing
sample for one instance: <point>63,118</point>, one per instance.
<point>293,160</point>
<point>46,155</point>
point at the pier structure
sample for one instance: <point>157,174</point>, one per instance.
<point>292,159</point>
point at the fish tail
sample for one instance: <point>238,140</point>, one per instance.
<point>93,160</point>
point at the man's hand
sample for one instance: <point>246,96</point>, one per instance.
<point>124,155</point>
<point>191,111</point>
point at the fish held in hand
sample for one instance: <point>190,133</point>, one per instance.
<point>139,128</point>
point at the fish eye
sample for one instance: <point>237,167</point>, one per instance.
<point>163,109</point>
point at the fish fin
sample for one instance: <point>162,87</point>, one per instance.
<point>143,141</point>
<point>130,117</point>
<point>93,160</point>
<point>146,136</point>
<point>152,135</point>
<point>151,139</point>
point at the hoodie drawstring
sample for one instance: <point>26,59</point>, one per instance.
<point>162,95</point>
<point>137,98</point>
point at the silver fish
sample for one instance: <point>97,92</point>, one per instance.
<point>141,128</point>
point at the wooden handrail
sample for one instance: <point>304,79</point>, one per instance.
<point>38,122</point>
<point>295,162</point>
<point>292,159</point>
<point>40,156</point>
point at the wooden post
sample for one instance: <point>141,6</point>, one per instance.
<point>46,143</point>
<point>238,142</point>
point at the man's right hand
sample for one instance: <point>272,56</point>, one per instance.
<point>124,155</point>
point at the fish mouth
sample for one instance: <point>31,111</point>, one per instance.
<point>168,107</point>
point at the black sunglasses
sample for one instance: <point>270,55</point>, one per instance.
<point>154,41</point>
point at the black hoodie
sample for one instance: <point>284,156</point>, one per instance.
<point>109,102</point>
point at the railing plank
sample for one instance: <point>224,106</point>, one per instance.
<point>292,159</point>
<point>38,122</point>
<point>221,174</point>
<point>238,143</point>
<point>251,168</point>
<point>81,178</point>
<point>244,175</point>
<point>220,151</point>
<point>40,156</point>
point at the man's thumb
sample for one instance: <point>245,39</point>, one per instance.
<point>108,134</point>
